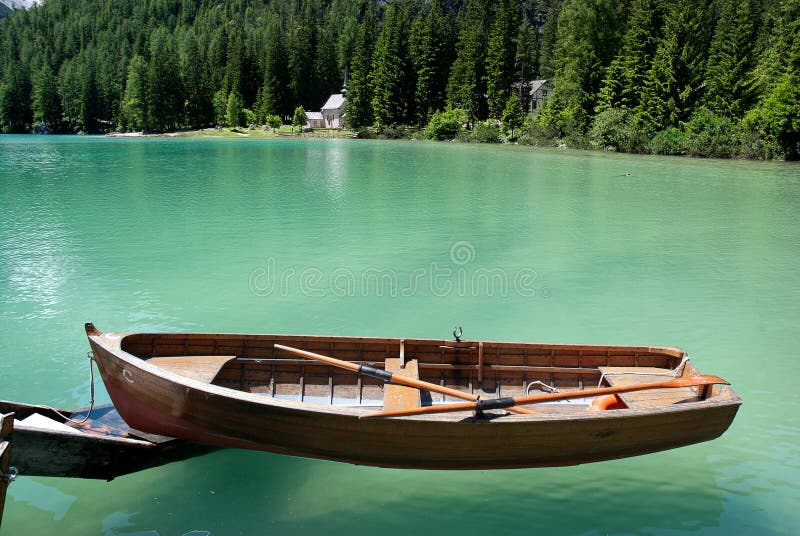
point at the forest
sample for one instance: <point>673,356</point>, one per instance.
<point>717,78</point>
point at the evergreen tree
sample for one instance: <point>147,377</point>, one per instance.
<point>302,44</point>
<point>164,87</point>
<point>430,51</point>
<point>588,36</point>
<point>729,89</point>
<point>466,88</point>
<point>547,50</point>
<point>359,94</point>
<point>15,102</point>
<point>134,104</point>
<point>195,81</point>
<point>70,90</point>
<point>500,57</point>
<point>46,106</point>
<point>326,68</point>
<point>234,114</point>
<point>674,83</point>
<point>388,77</point>
<point>526,61</point>
<point>275,97</point>
<point>624,82</point>
<point>513,114</point>
<point>89,98</point>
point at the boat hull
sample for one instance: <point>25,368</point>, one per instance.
<point>168,404</point>
<point>97,449</point>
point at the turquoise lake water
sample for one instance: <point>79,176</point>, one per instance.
<point>402,239</point>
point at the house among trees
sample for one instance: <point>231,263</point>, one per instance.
<point>333,111</point>
<point>315,120</point>
<point>539,93</point>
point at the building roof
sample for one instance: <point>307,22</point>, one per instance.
<point>334,102</point>
<point>311,116</point>
<point>536,85</point>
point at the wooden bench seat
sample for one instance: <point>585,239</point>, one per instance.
<point>396,397</point>
<point>203,368</point>
<point>624,376</point>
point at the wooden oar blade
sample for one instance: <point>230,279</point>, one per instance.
<point>701,379</point>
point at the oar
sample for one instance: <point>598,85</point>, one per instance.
<point>507,402</point>
<point>386,376</point>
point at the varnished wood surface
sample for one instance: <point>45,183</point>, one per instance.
<point>624,376</point>
<point>399,396</point>
<point>261,401</point>
<point>201,368</point>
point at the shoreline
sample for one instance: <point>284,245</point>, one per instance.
<point>258,132</point>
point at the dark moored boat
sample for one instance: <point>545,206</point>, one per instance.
<point>254,392</point>
<point>45,442</point>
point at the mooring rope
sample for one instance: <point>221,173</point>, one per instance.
<point>85,418</point>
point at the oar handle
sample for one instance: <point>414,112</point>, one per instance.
<point>319,357</point>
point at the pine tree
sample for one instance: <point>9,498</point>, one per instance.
<point>326,69</point>
<point>547,49</point>
<point>729,90</point>
<point>70,90</point>
<point>275,97</point>
<point>89,99</point>
<point>134,103</point>
<point>15,104</point>
<point>234,111</point>
<point>302,43</point>
<point>513,114</point>
<point>500,57</point>
<point>195,80</point>
<point>466,88</point>
<point>359,94</point>
<point>674,83</point>
<point>624,81</point>
<point>388,76</point>
<point>46,106</point>
<point>588,37</point>
<point>526,60</point>
<point>430,51</point>
<point>164,87</point>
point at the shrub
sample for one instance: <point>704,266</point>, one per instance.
<point>710,135</point>
<point>616,129</point>
<point>273,121</point>
<point>667,142</point>
<point>446,124</point>
<point>485,132</point>
<point>775,123</point>
<point>249,117</point>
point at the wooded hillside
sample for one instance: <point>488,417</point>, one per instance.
<point>706,77</point>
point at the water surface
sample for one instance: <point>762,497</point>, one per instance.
<point>404,239</point>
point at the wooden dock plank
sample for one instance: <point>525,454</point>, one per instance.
<point>6,427</point>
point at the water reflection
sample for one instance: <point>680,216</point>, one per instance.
<point>33,492</point>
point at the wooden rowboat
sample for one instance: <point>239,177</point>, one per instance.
<point>334,397</point>
<point>45,442</point>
